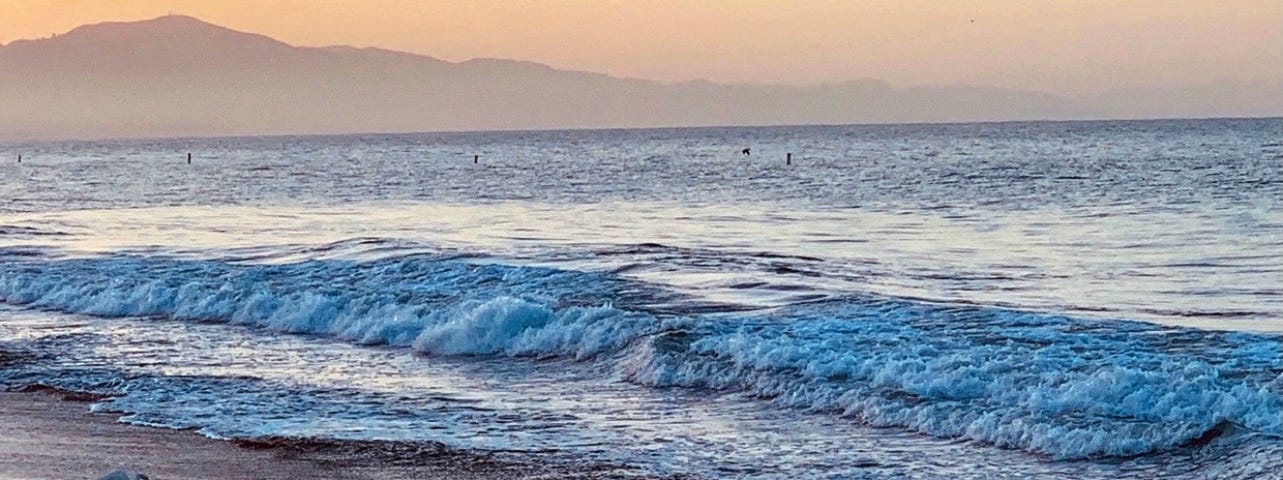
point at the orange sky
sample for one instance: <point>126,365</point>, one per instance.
<point>1065,46</point>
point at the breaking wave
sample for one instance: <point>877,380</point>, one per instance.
<point>1058,386</point>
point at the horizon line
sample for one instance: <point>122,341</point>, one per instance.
<point>14,141</point>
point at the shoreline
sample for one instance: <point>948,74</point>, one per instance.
<point>46,433</point>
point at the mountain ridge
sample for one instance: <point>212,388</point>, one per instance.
<point>181,76</point>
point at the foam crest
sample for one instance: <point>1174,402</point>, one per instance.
<point>513,326</point>
<point>1056,386</point>
<point>435,306</point>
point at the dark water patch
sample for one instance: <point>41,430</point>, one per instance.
<point>25,231</point>
<point>63,393</point>
<point>11,357</point>
<point>379,453</point>
<point>1221,428</point>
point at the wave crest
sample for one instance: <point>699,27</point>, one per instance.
<point>1011,379</point>
<point>1062,387</point>
<point>435,307</point>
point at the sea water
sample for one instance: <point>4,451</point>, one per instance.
<point>1061,300</point>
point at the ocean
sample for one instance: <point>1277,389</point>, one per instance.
<point>1001,300</point>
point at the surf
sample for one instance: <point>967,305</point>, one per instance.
<point>1067,388</point>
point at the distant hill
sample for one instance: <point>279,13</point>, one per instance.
<point>179,76</point>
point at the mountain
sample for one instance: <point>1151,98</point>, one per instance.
<point>179,76</point>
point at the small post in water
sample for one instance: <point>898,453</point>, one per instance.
<point>189,158</point>
<point>475,159</point>
<point>788,159</point>
<point>19,158</point>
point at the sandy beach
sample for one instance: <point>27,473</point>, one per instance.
<point>44,436</point>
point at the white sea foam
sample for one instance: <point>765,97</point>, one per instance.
<point>1011,379</point>
<point>1057,386</point>
<point>446,308</point>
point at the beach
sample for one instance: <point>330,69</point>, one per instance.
<point>44,436</point>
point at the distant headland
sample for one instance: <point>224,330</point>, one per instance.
<point>180,76</point>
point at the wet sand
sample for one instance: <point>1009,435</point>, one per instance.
<point>44,436</point>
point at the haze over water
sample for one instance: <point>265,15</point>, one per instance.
<point>1068,300</point>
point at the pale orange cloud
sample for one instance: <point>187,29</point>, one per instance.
<point>1070,46</point>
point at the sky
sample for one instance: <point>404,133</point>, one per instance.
<point>1068,47</point>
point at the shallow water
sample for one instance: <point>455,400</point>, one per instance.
<point>1069,300</point>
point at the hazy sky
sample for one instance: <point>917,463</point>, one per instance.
<point>1067,47</point>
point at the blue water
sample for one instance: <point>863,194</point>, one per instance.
<point>1060,300</point>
